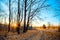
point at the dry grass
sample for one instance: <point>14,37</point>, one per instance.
<point>52,35</point>
<point>49,34</point>
<point>51,28</point>
<point>22,36</point>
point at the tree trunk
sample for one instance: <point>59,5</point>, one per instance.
<point>29,14</point>
<point>18,17</point>
<point>24,30</point>
<point>9,15</point>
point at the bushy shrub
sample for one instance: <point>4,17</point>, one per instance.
<point>44,26</point>
<point>59,29</point>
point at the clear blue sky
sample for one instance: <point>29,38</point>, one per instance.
<point>46,15</point>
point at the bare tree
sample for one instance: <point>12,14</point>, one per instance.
<point>18,17</point>
<point>30,14</point>
<point>9,15</point>
<point>25,2</point>
<point>28,19</point>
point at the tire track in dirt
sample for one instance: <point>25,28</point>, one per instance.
<point>36,36</point>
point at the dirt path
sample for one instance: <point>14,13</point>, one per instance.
<point>42,35</point>
<point>35,37</point>
<point>50,35</point>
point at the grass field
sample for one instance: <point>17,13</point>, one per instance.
<point>38,33</point>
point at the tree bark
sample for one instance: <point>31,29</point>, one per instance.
<point>9,15</point>
<point>29,14</point>
<point>18,17</point>
<point>24,30</point>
